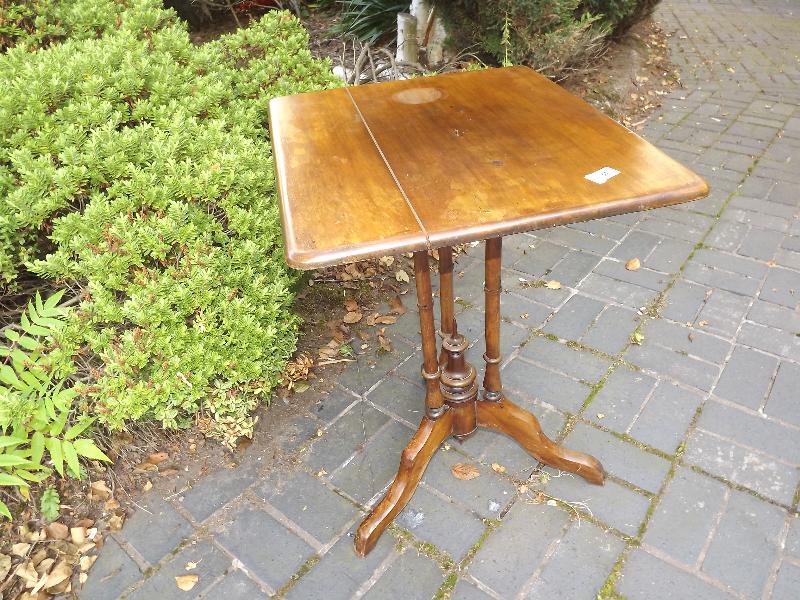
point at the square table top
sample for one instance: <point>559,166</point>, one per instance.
<point>423,163</point>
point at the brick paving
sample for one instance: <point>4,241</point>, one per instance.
<point>698,425</point>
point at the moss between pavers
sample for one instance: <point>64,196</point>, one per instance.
<point>304,568</point>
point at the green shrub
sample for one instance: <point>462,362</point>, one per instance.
<point>35,407</point>
<point>553,36</point>
<point>36,23</point>
<point>620,15</point>
<point>141,164</point>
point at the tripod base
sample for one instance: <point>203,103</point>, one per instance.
<point>502,415</point>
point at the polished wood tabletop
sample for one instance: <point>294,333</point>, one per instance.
<point>434,161</point>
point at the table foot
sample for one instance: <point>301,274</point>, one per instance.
<point>413,462</point>
<point>506,417</point>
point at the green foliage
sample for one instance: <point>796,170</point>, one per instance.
<point>620,15</point>
<point>555,37</point>
<point>50,504</point>
<point>370,20</point>
<point>139,165</point>
<point>35,23</point>
<point>36,411</point>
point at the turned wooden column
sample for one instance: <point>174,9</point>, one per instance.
<point>492,388</point>
<point>446,298</point>
<point>430,364</point>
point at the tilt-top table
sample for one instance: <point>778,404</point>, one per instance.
<point>428,163</point>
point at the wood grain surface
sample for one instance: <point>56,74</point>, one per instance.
<point>463,156</point>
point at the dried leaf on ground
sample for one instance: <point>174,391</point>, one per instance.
<point>5,566</point>
<point>20,549</point>
<point>186,582</point>
<point>386,319</point>
<point>57,531</point>
<point>157,458</point>
<point>464,471</point>
<point>115,523</point>
<point>633,264</point>
<point>401,276</point>
<point>86,562</point>
<point>384,341</point>
<point>387,261</point>
<point>553,285</point>
<point>396,306</point>
<point>498,468</point>
<point>350,305</point>
<point>353,317</point>
<point>78,535</point>
<point>99,491</point>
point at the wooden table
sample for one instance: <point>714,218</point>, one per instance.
<point>432,162</point>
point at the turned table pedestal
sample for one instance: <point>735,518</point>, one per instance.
<point>428,163</point>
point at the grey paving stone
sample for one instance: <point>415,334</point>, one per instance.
<point>471,325</point>
<point>466,591</point>
<point>611,503</point>
<point>685,516</point>
<point>754,470</point>
<point>692,341</point>
<point>684,301</point>
<point>642,277</point>
<point>341,572</point>
<point>157,532</point>
<point>745,544</point>
<point>235,586</point>
<point>761,244</point>
<point>782,403</point>
<point>523,285</point>
<point>607,288</point>
<point>580,564</point>
<point>574,267</point>
<point>680,231</point>
<point>486,495</point>
<point>793,539</point>
<point>448,527</point>
<point>343,438</point>
<point>210,563</point>
<point>620,399</point>
<point>526,382</point>
<point>732,282</point>
<point>777,341</point>
<point>666,416</point>
<point>329,406</point>
<point>580,240</point>
<point>727,235</point>
<point>538,258</point>
<point>747,377</point>
<point>750,430</point>
<point>669,255</point>
<point>509,556</point>
<point>307,502</point>
<point>636,244</point>
<point>644,577</point>
<point>523,311</point>
<point>612,330</point>
<point>788,582</point>
<point>216,489</point>
<point>682,367</point>
<point>112,574</point>
<point>782,286</point>
<point>371,367</point>
<point>722,313</point>
<point>401,398</point>
<point>574,318</point>
<point>620,458</point>
<point>560,357</point>
<point>265,547</point>
<point>409,567</point>
<point>374,467</point>
<point>606,228</point>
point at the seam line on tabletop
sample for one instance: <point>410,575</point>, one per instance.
<point>391,171</point>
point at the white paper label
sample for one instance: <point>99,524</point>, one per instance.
<point>602,175</point>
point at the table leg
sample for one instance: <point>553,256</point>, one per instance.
<point>496,411</point>
<point>446,300</point>
<point>436,426</point>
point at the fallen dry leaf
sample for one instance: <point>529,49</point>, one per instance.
<point>20,549</point>
<point>86,562</point>
<point>157,458</point>
<point>386,319</point>
<point>5,566</point>
<point>186,582</point>
<point>78,535</point>
<point>115,523</point>
<point>464,471</point>
<point>148,485</point>
<point>498,468</point>
<point>396,306</point>
<point>60,573</point>
<point>633,264</point>
<point>384,341</point>
<point>99,491</point>
<point>352,317</point>
<point>111,505</point>
<point>553,285</point>
<point>57,531</point>
<point>387,261</point>
<point>401,276</point>
<point>27,573</point>
<point>191,566</point>
<point>350,305</point>
<point>168,472</point>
